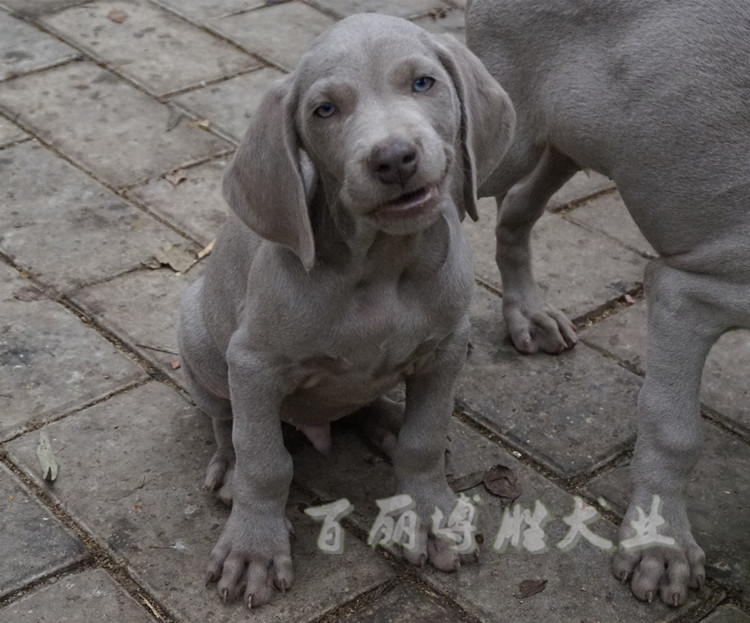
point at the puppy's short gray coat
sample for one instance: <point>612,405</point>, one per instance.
<point>656,95</point>
<point>342,270</point>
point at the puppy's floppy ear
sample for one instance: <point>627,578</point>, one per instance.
<point>264,185</point>
<point>487,116</point>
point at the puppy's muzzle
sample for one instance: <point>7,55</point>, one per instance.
<point>393,161</point>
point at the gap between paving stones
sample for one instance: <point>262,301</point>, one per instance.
<point>100,558</point>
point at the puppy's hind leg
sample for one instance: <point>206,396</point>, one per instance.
<point>533,325</point>
<point>205,370</point>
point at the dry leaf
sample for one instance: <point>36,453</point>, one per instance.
<point>118,16</point>
<point>176,258</point>
<point>628,299</point>
<point>176,177</point>
<point>207,249</point>
<point>203,124</point>
<point>464,483</point>
<point>46,457</point>
<point>438,13</point>
<point>527,588</point>
<point>174,364</point>
<point>502,482</point>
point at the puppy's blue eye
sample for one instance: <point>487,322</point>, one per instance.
<point>326,109</point>
<point>423,83</point>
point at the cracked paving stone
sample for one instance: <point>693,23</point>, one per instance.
<point>51,361</point>
<point>137,489</point>
<point>85,597</point>
<point>404,604</point>
<point>70,230</point>
<point>121,305</point>
<point>725,386</point>
<point>413,8</point>
<point>202,10</point>
<point>152,47</point>
<point>572,411</point>
<point>106,125</point>
<point>195,206</point>
<point>231,104</point>
<point>280,33</point>
<point>10,133</point>
<point>34,544</point>
<point>577,270</point>
<point>24,48</point>
<point>727,614</point>
<point>608,215</point>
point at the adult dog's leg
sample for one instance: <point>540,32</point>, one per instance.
<point>532,325</point>
<point>682,326</point>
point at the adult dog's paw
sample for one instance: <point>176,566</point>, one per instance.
<point>252,558</point>
<point>537,327</point>
<point>659,558</point>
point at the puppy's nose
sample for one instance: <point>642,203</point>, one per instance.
<point>393,161</point>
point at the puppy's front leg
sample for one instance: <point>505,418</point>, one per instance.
<point>253,552</point>
<point>419,454</point>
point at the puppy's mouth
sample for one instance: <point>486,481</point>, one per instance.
<point>408,204</point>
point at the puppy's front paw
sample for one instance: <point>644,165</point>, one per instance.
<point>252,558</point>
<point>658,556</point>
<point>435,529</point>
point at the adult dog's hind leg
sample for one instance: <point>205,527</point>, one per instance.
<point>532,325</point>
<point>683,324</point>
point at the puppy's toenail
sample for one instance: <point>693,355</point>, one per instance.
<point>650,596</point>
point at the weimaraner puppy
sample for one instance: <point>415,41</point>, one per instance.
<point>653,94</point>
<point>341,271</point>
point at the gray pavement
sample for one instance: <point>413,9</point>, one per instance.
<point>99,103</point>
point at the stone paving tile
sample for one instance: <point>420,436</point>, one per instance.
<point>607,214</point>
<point>32,541</point>
<point>122,305</point>
<point>137,489</point>
<point>580,586</point>
<point>195,206</point>
<point>10,133</point>
<point>727,614</point>
<point>23,48</point>
<point>79,598</point>
<point>51,361</point>
<point>230,105</point>
<point>451,22</point>
<point>105,124</point>
<point>69,230</point>
<point>718,503</point>
<point>280,33</point>
<point>577,270</point>
<point>413,8</point>
<point>152,47</point>
<point>202,10</point>
<point>404,604</point>
<point>571,411</point>
<point>34,8</point>
<point>582,185</point>
<point>725,386</point>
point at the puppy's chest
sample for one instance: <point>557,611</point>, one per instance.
<point>375,339</point>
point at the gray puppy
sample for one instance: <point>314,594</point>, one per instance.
<point>653,94</point>
<point>341,271</point>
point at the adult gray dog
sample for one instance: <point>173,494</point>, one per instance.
<point>653,94</point>
<point>342,270</point>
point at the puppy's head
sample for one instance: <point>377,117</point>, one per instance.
<point>398,124</point>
